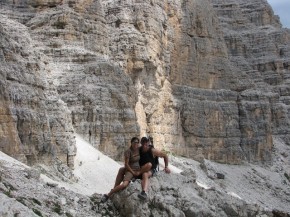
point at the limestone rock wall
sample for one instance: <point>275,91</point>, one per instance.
<point>177,59</point>
<point>99,94</point>
<point>258,46</point>
<point>205,78</point>
<point>188,86</point>
<point>35,125</point>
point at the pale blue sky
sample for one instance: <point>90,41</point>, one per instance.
<point>282,8</point>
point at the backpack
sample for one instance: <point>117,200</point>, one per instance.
<point>156,159</point>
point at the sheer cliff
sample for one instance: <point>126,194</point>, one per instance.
<point>205,78</point>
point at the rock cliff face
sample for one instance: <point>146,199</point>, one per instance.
<point>205,78</point>
<point>258,46</point>
<point>35,124</point>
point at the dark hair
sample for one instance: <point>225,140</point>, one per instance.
<point>134,139</point>
<point>144,140</point>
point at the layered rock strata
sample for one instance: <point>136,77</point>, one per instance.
<point>206,79</point>
<point>99,94</point>
<point>258,46</point>
<point>35,124</point>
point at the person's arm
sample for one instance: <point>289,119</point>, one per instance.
<point>158,153</point>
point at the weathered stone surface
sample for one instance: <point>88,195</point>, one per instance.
<point>177,58</point>
<point>35,123</point>
<point>193,193</point>
<point>206,78</point>
<point>246,190</point>
<point>258,46</point>
<point>24,195</point>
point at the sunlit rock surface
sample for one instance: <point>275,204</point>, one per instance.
<point>207,79</point>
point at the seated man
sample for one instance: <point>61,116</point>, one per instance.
<point>148,164</point>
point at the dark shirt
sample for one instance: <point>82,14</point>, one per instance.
<point>146,157</point>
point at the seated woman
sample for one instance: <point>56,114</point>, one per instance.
<point>131,169</point>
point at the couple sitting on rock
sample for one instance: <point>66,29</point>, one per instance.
<point>139,163</point>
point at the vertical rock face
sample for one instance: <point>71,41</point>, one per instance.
<point>99,94</point>
<point>201,98</point>
<point>177,58</point>
<point>205,78</point>
<point>35,125</point>
<point>258,46</point>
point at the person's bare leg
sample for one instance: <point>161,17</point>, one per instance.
<point>144,184</point>
<point>145,180</point>
<point>118,188</point>
<point>120,176</point>
<point>145,168</point>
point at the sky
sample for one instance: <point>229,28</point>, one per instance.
<point>282,8</point>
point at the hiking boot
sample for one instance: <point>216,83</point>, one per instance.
<point>104,198</point>
<point>142,195</point>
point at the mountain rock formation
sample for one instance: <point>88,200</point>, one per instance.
<point>201,189</point>
<point>206,78</point>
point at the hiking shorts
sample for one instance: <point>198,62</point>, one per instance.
<point>128,176</point>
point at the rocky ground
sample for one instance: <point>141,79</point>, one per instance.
<point>192,189</point>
